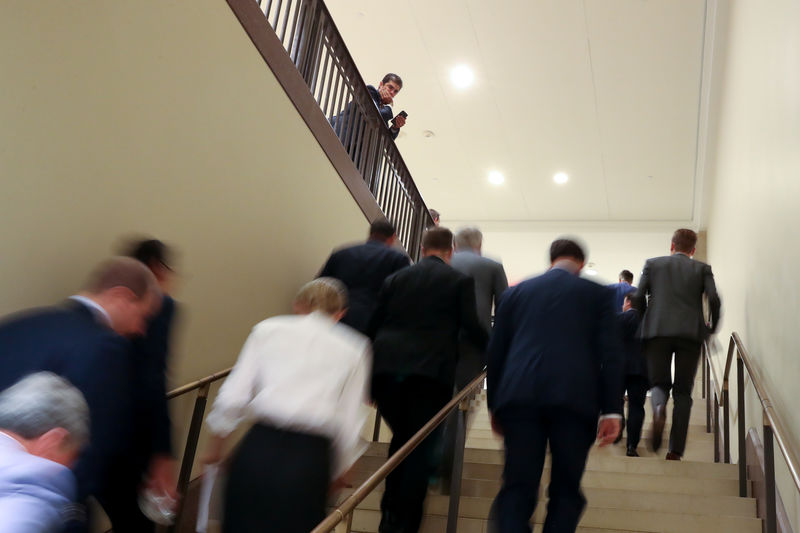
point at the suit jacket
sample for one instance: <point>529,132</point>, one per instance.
<point>670,298</point>
<point>34,492</point>
<point>555,344</point>
<point>629,322</point>
<point>152,427</point>
<point>620,289</point>
<point>421,312</point>
<point>70,342</point>
<point>490,282</point>
<point>363,269</point>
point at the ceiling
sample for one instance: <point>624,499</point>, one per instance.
<point>607,91</point>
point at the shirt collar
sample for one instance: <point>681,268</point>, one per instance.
<point>96,309</point>
<point>11,440</point>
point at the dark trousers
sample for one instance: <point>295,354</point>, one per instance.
<point>659,352</point>
<point>636,386</point>
<point>406,406</point>
<point>527,432</point>
<point>278,481</point>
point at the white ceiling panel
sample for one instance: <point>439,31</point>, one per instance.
<point>604,90</point>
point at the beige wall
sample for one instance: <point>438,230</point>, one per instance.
<point>159,117</point>
<point>754,163</point>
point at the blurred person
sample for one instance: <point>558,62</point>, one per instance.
<point>490,283</point>
<point>622,288</point>
<point>148,461</point>
<point>421,312</point>
<point>435,216</point>
<point>636,383</point>
<point>84,340</point>
<point>363,268</point>
<point>555,367</point>
<point>44,423</point>
<point>670,298</point>
<point>303,379</point>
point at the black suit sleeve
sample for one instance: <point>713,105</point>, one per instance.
<point>380,309</point>
<point>103,380</point>
<point>499,344</point>
<point>612,362</point>
<point>161,331</point>
<point>329,269</point>
<point>714,304</point>
<point>471,329</point>
<point>500,285</point>
<point>639,298</point>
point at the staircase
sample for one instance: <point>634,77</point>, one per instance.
<point>625,494</point>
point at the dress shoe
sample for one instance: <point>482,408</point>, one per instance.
<point>632,452</point>
<point>672,456</point>
<point>659,419</point>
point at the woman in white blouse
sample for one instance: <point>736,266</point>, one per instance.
<point>303,379</point>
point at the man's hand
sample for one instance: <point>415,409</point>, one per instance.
<point>496,426</point>
<point>213,453</point>
<point>399,121</point>
<point>161,476</point>
<point>343,482</point>
<point>608,429</point>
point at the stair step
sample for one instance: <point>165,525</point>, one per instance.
<point>490,466</point>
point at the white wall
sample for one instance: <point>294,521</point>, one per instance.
<point>754,163</point>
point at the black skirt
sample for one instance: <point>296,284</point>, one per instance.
<point>278,482</point>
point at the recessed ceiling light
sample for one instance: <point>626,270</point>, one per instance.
<point>561,178</point>
<point>496,178</point>
<point>590,272</point>
<point>462,76</point>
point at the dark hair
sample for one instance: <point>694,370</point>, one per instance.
<point>566,248</point>
<point>629,297</point>
<point>393,77</point>
<point>438,238</point>
<point>684,240</point>
<point>434,214</point>
<point>150,251</point>
<point>381,230</point>
<point>627,275</point>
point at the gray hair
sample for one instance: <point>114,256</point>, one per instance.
<point>469,238</point>
<point>41,402</point>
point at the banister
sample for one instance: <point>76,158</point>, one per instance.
<point>183,389</point>
<point>773,425</point>
<point>350,503</point>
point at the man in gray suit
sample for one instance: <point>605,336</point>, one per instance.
<point>670,296</point>
<point>490,283</point>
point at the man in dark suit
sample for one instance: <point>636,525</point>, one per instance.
<point>623,288</point>
<point>84,341</point>
<point>363,269</point>
<point>148,456</point>
<point>554,367</point>
<point>636,383</point>
<point>421,312</point>
<point>670,297</point>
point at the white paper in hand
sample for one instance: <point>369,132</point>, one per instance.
<point>203,505</point>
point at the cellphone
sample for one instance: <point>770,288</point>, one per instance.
<point>402,114</point>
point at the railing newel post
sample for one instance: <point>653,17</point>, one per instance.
<point>771,521</point>
<point>741,426</point>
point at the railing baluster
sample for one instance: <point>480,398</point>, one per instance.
<point>726,420</point>
<point>286,14</point>
<point>277,15</point>
<point>706,365</point>
<point>771,522</point>
<point>740,426</point>
<point>716,428</point>
<point>191,447</point>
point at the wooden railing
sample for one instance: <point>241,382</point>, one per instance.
<point>300,42</point>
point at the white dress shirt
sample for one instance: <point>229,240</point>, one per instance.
<point>304,373</point>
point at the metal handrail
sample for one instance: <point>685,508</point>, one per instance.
<point>202,386</point>
<point>349,504</point>
<point>773,426</point>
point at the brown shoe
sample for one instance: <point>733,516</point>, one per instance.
<point>672,456</point>
<point>659,419</point>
